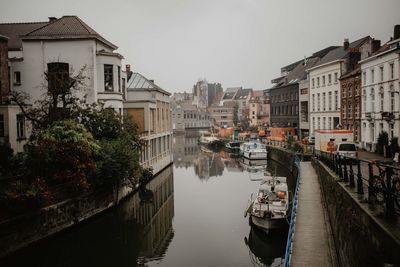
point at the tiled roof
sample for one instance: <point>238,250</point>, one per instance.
<point>14,31</point>
<point>229,95</point>
<point>340,53</point>
<point>138,81</point>
<point>66,27</point>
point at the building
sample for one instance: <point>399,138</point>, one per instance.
<point>149,107</point>
<point>325,91</point>
<point>229,95</point>
<point>242,98</point>
<point>186,116</point>
<point>64,45</point>
<point>380,107</point>
<point>222,116</point>
<point>304,116</point>
<point>204,93</point>
<point>284,94</point>
<point>259,109</point>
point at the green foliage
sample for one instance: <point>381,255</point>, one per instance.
<point>235,114</point>
<point>382,142</point>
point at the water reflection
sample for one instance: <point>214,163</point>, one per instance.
<point>136,232</point>
<point>265,250</point>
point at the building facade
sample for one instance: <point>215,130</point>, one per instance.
<point>222,116</point>
<point>66,45</point>
<point>380,107</point>
<point>149,107</point>
<point>325,91</point>
<point>258,109</point>
<point>304,116</point>
<point>186,116</point>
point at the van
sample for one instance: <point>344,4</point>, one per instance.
<point>346,149</point>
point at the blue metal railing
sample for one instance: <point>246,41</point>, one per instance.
<point>289,242</point>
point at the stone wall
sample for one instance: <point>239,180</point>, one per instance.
<point>281,156</point>
<point>20,231</point>
<point>360,239</point>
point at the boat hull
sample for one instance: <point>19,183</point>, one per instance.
<point>267,224</point>
<point>255,155</point>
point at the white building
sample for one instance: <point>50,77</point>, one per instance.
<point>149,107</point>
<point>64,45</point>
<point>380,108</point>
<point>324,88</point>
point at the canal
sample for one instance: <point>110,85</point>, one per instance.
<point>191,214</point>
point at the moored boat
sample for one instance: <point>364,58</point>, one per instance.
<point>253,150</point>
<point>270,208</point>
<point>208,139</point>
<point>233,147</point>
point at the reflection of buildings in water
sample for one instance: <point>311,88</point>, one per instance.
<point>208,165</point>
<point>185,149</point>
<point>266,250</point>
<point>258,165</point>
<point>154,217</point>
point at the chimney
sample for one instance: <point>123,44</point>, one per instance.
<point>346,44</point>
<point>396,32</point>
<point>376,44</point>
<point>128,68</point>
<point>52,19</point>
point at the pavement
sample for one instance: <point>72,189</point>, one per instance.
<point>312,244</point>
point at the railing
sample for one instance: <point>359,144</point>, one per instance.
<point>377,181</point>
<point>293,215</point>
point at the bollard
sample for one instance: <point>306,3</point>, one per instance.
<point>360,188</point>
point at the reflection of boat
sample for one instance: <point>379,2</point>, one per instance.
<point>233,147</point>
<point>253,150</point>
<point>270,208</point>
<point>265,250</point>
<point>208,139</point>
<point>254,165</point>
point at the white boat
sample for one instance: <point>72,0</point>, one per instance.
<point>208,139</point>
<point>233,147</point>
<point>253,150</point>
<point>270,208</point>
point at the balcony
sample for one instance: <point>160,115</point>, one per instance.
<point>387,116</point>
<point>370,116</point>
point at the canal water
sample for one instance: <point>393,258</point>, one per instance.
<point>191,214</point>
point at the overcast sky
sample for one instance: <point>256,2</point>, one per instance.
<point>234,42</point>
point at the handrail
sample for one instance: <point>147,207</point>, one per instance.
<point>293,216</point>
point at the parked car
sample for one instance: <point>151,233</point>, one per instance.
<point>348,149</point>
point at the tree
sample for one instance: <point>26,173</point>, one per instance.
<point>58,101</point>
<point>235,114</point>
<point>382,142</point>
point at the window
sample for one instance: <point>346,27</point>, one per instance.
<point>356,110</point>
<point>329,123</point>
<point>323,122</point>
<point>372,76</point>
<point>119,78</point>
<point>323,80</point>
<point>304,91</point>
<point>336,100</point>
<point>364,77</point>
<point>108,78</point>
<point>313,102</point>
<point>380,127</point>
<point>313,123</point>
<point>329,79</point>
<point>381,94</point>
<point>336,77</point>
<point>318,101</point>
<point>313,83</point>
<point>1,125</point>
<point>350,89</point>
<point>350,110</point>
<point>319,123</point>
<point>391,67</point>
<point>356,90</point>
<point>323,101</point>
<point>57,75</point>
<point>372,99</point>
<point>20,126</point>
<point>330,101</point>
<point>381,72</point>
<point>317,81</point>
<point>17,78</point>
<point>123,85</point>
<point>392,102</point>
<point>391,130</point>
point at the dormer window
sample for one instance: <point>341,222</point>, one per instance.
<point>108,78</point>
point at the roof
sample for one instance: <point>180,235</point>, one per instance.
<point>14,31</point>
<point>243,93</point>
<point>66,27</point>
<point>298,73</point>
<point>340,53</point>
<point>229,95</point>
<point>138,81</point>
<point>351,73</point>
